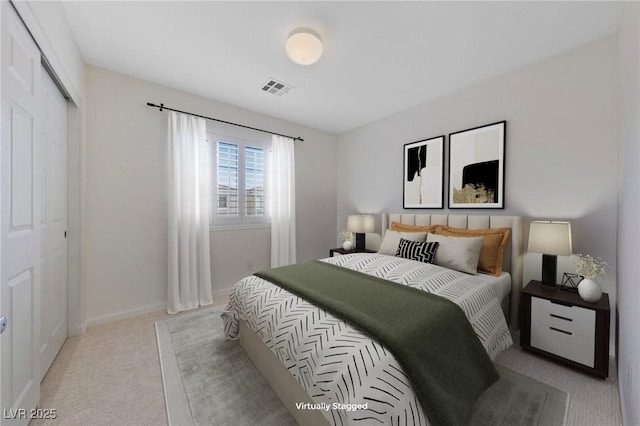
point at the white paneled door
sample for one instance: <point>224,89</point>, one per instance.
<point>21,232</point>
<point>52,163</point>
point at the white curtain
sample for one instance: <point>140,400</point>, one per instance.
<point>283,202</point>
<point>188,216</point>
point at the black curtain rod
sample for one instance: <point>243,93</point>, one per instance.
<point>161,107</point>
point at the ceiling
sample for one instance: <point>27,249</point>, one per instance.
<point>379,57</point>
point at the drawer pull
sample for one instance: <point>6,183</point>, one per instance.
<point>561,303</point>
<point>561,331</point>
<point>559,317</point>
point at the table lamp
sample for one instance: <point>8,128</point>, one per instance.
<point>360,224</point>
<point>552,239</point>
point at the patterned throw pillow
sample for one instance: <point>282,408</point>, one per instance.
<point>417,250</point>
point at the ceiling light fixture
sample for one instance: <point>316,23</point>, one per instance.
<point>304,46</point>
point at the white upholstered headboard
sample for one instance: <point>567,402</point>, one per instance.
<point>513,252</point>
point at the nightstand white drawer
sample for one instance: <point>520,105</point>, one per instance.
<point>574,312</point>
<point>559,341</point>
<point>570,319</point>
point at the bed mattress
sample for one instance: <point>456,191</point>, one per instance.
<point>501,285</point>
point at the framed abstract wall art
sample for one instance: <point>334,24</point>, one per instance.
<point>476,167</point>
<point>423,179</point>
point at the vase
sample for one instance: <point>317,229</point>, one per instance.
<point>589,290</point>
<point>347,245</point>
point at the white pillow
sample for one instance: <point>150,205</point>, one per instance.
<point>391,240</point>
<point>459,253</point>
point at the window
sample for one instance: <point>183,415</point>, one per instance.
<point>239,189</point>
<point>254,182</point>
<point>227,174</point>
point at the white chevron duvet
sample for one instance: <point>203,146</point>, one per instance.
<point>340,367</point>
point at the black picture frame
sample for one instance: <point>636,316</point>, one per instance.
<point>423,177</point>
<point>476,167</point>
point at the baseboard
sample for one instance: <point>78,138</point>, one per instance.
<point>222,292</point>
<point>104,319</point>
<point>623,405</point>
<point>92,322</point>
<point>77,331</point>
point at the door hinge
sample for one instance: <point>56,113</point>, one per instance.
<point>3,324</point>
<point>65,234</point>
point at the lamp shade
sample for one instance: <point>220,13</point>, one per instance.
<point>361,223</point>
<point>549,237</point>
<point>304,46</point>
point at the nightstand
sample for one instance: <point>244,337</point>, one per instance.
<point>561,326</point>
<point>341,251</point>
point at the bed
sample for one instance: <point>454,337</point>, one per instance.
<point>307,386</point>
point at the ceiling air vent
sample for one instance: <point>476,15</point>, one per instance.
<point>276,87</point>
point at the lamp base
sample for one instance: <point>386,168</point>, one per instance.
<point>549,269</point>
<point>360,241</point>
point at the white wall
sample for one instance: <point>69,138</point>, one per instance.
<point>629,215</point>
<point>561,149</point>
<point>126,240</point>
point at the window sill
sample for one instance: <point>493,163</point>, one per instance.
<point>239,227</point>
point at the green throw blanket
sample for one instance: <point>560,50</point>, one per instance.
<point>428,335</point>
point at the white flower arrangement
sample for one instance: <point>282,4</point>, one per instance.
<point>346,236</point>
<point>589,266</point>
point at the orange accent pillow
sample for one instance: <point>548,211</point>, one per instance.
<point>403,227</point>
<point>492,252</point>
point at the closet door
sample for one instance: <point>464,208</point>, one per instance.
<point>20,231</point>
<point>52,162</point>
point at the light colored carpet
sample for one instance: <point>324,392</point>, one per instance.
<point>111,375</point>
<point>594,402</point>
<point>108,376</point>
<point>211,381</point>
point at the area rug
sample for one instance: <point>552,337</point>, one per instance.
<point>210,381</point>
